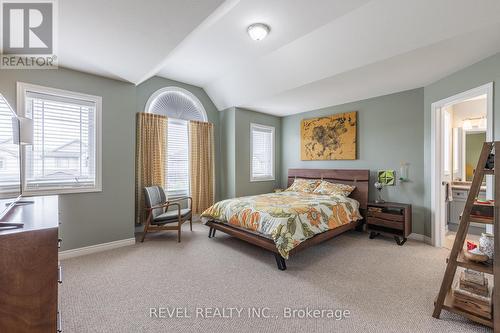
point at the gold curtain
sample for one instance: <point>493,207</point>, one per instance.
<point>151,142</point>
<point>202,161</point>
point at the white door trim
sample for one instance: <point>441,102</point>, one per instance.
<point>436,206</point>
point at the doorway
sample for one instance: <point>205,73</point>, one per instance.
<point>459,125</point>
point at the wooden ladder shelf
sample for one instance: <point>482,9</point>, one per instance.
<point>445,299</point>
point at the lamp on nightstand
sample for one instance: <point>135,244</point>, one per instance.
<point>379,188</point>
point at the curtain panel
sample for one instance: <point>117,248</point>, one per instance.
<point>202,165</point>
<point>151,141</point>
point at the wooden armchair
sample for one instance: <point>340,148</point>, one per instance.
<point>159,217</point>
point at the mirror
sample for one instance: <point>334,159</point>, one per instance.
<point>467,145</point>
<point>473,144</point>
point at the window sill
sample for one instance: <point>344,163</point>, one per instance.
<point>61,191</point>
<point>256,180</point>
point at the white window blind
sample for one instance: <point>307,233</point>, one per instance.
<point>262,152</point>
<point>63,156</point>
<point>177,180</point>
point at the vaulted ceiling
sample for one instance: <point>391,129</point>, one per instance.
<point>126,39</point>
<point>318,53</point>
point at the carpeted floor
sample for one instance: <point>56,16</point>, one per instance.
<point>449,239</point>
<point>386,288</point>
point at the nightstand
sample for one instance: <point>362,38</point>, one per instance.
<point>389,219</point>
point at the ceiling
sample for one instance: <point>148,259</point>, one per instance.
<point>125,39</point>
<point>328,53</point>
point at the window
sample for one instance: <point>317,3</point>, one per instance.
<point>65,154</point>
<point>262,152</point>
<point>180,106</point>
<point>177,173</point>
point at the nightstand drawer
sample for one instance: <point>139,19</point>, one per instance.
<point>385,223</point>
<point>387,216</point>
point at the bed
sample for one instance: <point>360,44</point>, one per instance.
<point>285,234</point>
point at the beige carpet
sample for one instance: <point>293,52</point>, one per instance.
<point>449,239</point>
<point>385,287</point>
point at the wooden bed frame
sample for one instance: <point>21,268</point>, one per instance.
<point>358,178</point>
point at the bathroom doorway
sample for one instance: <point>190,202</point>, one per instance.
<point>460,125</point>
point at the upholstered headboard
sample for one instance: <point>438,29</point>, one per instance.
<point>358,178</point>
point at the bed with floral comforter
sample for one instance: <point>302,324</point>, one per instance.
<point>288,218</point>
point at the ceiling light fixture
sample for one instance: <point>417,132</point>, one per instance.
<point>258,31</point>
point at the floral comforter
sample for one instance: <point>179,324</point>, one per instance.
<point>288,218</point>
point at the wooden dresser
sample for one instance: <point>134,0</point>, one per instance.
<point>29,268</point>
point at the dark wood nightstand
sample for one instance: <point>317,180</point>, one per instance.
<point>390,219</point>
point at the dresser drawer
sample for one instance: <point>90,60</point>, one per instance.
<point>385,223</point>
<point>387,216</point>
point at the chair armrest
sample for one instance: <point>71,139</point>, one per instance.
<point>179,199</point>
<point>165,205</point>
<point>169,203</point>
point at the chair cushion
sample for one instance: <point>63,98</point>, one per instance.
<point>171,216</point>
<point>155,196</point>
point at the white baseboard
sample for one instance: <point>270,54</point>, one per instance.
<point>95,248</point>
<point>421,238</point>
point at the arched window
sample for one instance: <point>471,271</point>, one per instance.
<point>177,103</point>
<point>180,106</point>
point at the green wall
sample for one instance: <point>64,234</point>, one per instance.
<point>242,128</point>
<point>390,130</point>
<point>401,123</point>
<point>485,71</point>
<point>235,148</point>
<point>95,218</point>
<point>227,172</point>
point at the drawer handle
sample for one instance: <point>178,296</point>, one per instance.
<point>59,242</point>
<point>59,274</point>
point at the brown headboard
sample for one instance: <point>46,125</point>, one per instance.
<point>358,178</point>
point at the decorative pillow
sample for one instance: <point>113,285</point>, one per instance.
<point>334,189</point>
<point>303,185</point>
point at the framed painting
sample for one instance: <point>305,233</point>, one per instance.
<point>387,177</point>
<point>329,138</point>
